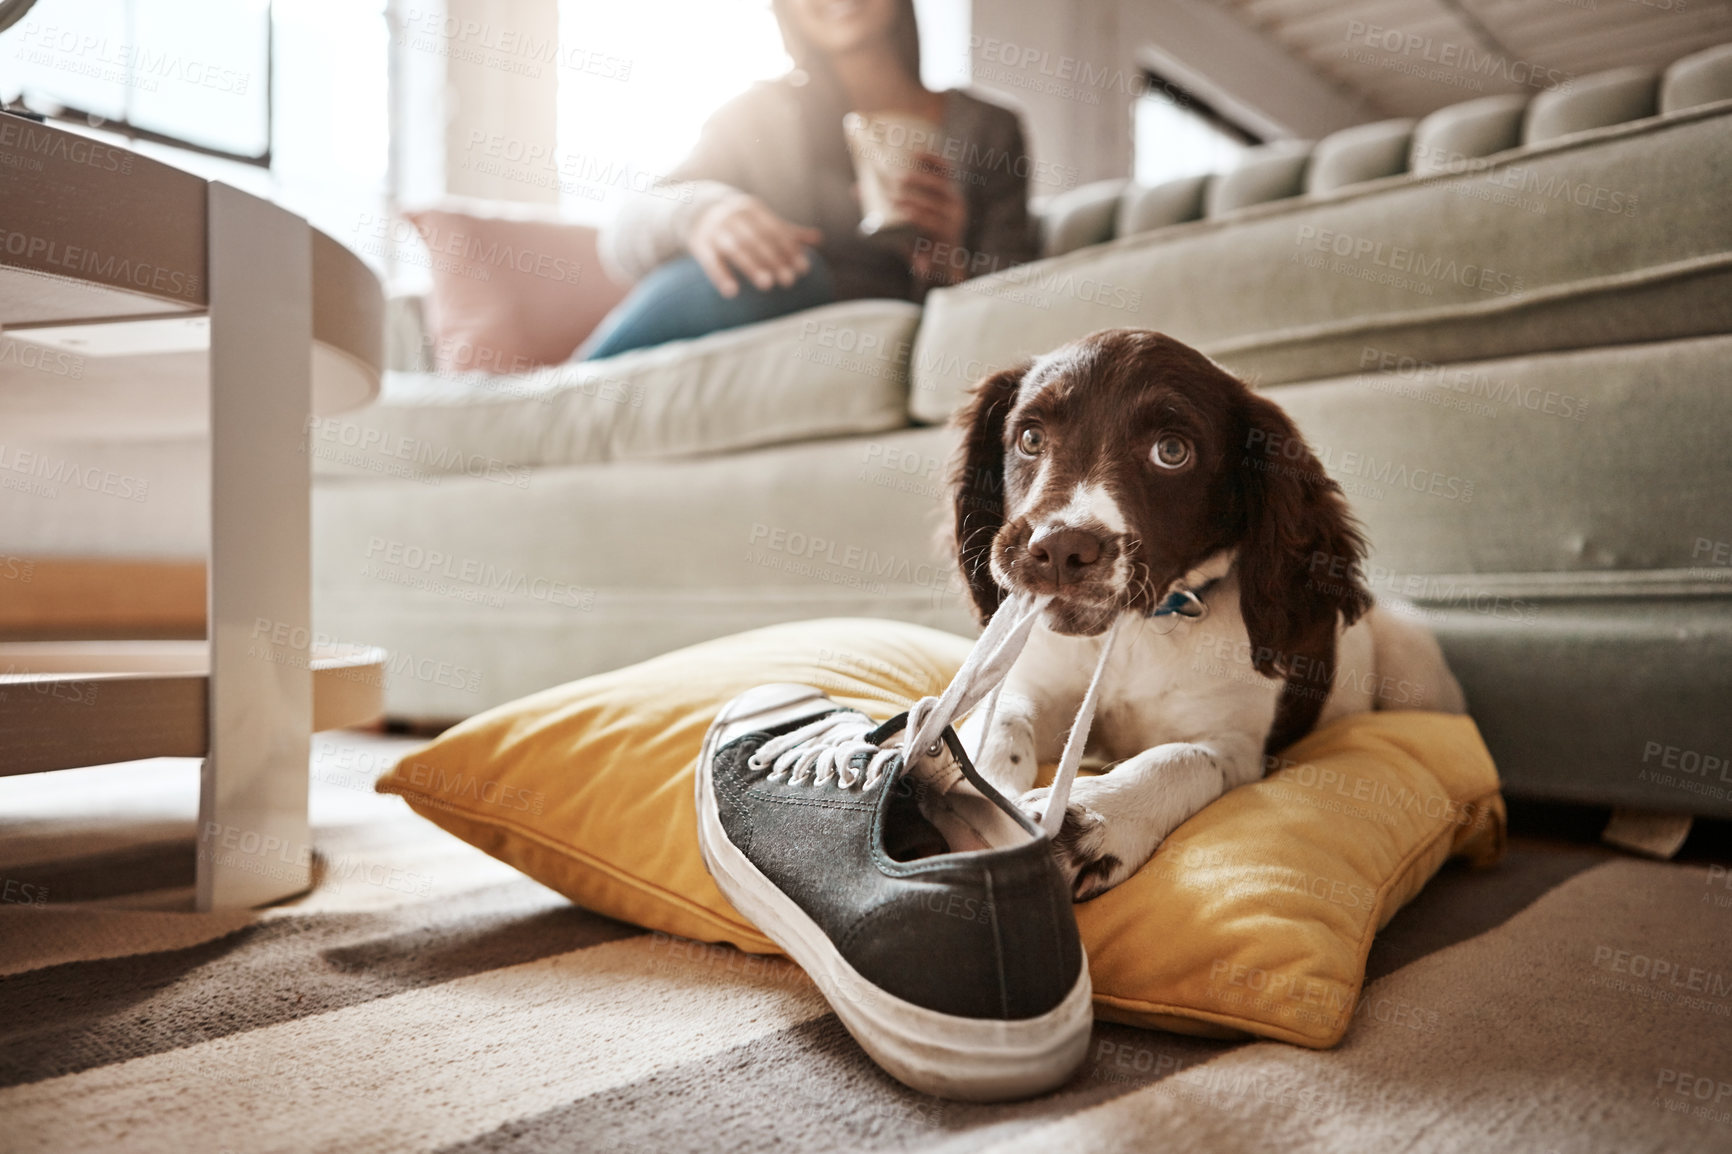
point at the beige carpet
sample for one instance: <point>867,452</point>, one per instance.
<point>424,997</point>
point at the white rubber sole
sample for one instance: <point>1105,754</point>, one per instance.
<point>974,1059</point>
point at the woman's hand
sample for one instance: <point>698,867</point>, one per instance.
<point>925,196</point>
<point>741,235</point>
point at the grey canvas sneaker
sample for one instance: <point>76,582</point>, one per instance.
<point>928,909</point>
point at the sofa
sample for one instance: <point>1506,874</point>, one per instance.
<point>1505,328</point>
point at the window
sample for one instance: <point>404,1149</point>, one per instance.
<point>190,82</point>
<point>1178,135</point>
<point>192,73</point>
<point>639,81</point>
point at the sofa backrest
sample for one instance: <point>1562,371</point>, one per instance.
<point>1460,133</point>
<point>1611,236</point>
<point>1599,235</point>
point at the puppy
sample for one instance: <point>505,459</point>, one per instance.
<point>1133,479</point>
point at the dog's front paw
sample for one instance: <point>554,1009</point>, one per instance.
<point>1082,847</point>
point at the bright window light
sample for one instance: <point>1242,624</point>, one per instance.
<point>661,67</point>
<point>1174,141</point>
<point>332,114</point>
<point>195,70</point>
<point>681,60</point>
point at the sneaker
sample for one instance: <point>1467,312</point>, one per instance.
<point>928,910</point>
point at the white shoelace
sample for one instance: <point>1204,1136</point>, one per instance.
<point>834,741</point>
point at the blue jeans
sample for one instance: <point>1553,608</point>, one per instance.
<point>677,301</point>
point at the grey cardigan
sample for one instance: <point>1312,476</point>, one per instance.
<point>757,143</point>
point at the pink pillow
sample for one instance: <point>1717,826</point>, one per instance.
<point>510,292</point>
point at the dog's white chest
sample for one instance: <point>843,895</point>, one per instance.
<point>1147,687</point>
<point>1167,681</point>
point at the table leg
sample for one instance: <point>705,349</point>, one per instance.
<point>254,842</point>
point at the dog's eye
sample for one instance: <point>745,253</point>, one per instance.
<point>1032,441</point>
<point>1171,452</point>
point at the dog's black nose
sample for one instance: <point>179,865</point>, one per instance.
<point>1062,554</point>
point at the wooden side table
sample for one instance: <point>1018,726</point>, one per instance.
<point>113,254</point>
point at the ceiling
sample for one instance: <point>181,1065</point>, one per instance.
<point>1505,42</point>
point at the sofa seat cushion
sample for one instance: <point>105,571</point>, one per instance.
<point>825,372</point>
<point>1572,464</point>
<point>1253,918</point>
<point>502,578</point>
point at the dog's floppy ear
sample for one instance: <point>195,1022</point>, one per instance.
<point>977,486</point>
<point>1299,564</point>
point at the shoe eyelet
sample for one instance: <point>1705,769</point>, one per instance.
<point>933,749</point>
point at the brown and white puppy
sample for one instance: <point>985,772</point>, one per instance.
<point>1114,473</point>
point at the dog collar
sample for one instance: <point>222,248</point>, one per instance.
<point>1187,603</point>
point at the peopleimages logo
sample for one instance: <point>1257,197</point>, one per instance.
<point>1281,451</point>
<point>23,893</point>
<point>461,786</point>
<point>44,475</point>
<point>1401,259</point>
<point>1663,971</point>
<point>280,643</point>
<point>1527,180</point>
<point>41,359</point>
<point>18,136</point>
<point>87,262</point>
<point>469,247</point>
<point>855,342</point>
<point>892,143</point>
<point>116,62</point>
<point>419,453</point>
<point>1688,761</point>
<point>400,560</point>
<point>1279,986</point>
<point>1069,69</point>
<point>1474,384</point>
<point>852,558</point>
<point>451,36</point>
<point>501,155</point>
<point>1460,57</point>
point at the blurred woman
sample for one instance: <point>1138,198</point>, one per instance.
<point>764,217</point>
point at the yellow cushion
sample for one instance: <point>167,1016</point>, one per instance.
<point>1254,917</point>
